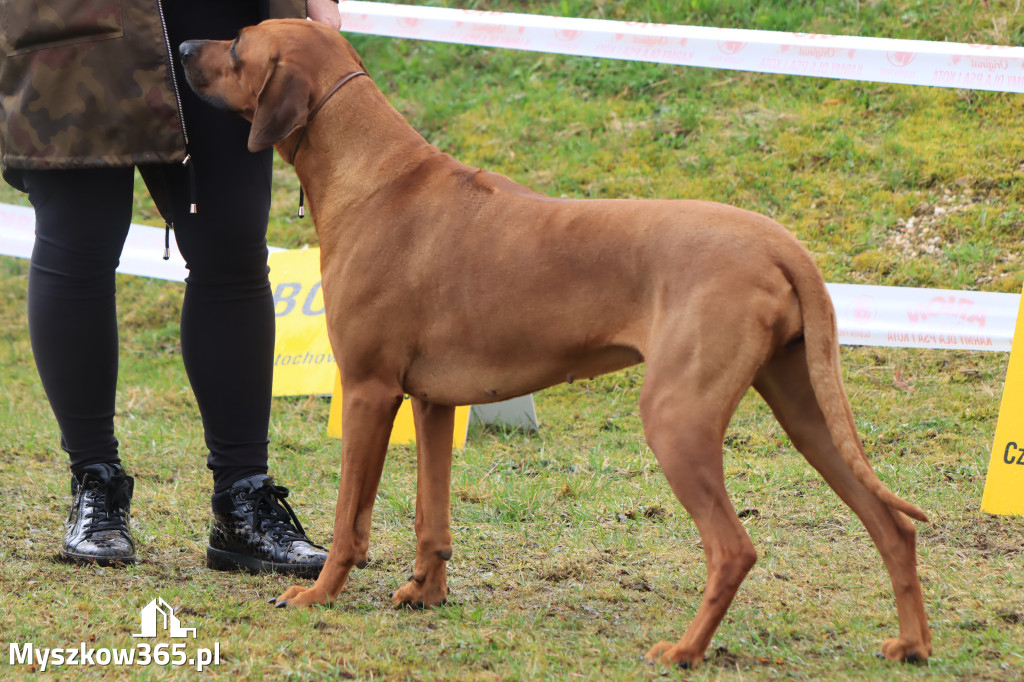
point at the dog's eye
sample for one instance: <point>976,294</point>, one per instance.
<point>232,53</point>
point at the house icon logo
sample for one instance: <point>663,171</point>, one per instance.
<point>158,613</point>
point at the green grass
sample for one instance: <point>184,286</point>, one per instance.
<point>572,556</point>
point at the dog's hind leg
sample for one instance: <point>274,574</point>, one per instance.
<point>428,585</point>
<point>685,414</point>
<point>368,413</point>
<point>785,384</point>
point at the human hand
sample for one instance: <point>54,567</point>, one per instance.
<point>324,11</point>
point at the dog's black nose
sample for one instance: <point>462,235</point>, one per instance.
<point>188,49</point>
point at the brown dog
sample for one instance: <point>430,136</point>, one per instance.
<point>458,286</point>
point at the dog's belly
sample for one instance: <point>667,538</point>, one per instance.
<point>472,379</point>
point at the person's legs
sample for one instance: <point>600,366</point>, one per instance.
<point>227,326</point>
<point>82,218</point>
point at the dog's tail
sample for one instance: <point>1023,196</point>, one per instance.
<point>822,351</point>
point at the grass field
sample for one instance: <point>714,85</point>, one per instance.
<point>572,557</point>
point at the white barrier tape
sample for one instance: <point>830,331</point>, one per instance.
<point>142,254</point>
<point>884,60</point>
<point>905,317</point>
<point>867,315</point>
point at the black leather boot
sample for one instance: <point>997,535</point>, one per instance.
<point>255,530</point>
<point>97,527</point>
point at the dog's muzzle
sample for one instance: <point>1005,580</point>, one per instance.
<point>189,52</point>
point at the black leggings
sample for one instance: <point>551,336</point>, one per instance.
<point>227,322</point>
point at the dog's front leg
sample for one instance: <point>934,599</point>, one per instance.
<point>367,412</point>
<point>428,585</point>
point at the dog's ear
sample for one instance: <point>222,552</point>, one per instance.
<point>281,106</point>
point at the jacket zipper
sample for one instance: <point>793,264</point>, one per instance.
<point>187,162</point>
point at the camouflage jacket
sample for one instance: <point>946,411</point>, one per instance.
<point>87,83</point>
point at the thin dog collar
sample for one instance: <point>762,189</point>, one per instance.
<point>309,119</point>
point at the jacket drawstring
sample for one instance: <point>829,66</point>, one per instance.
<point>191,183</point>
<point>167,240</point>
<point>302,202</point>
<point>192,206</point>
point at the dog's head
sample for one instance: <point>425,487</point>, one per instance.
<point>269,74</point>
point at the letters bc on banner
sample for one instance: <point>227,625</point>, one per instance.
<point>303,360</point>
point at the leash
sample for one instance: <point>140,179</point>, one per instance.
<point>309,119</point>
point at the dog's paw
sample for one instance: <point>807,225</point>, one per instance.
<point>420,595</point>
<point>670,653</point>
<point>295,597</point>
<point>907,652</point>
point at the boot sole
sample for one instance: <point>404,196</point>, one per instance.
<point>89,560</point>
<point>222,560</point>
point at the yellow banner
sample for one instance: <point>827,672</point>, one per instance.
<point>404,430</point>
<point>303,361</point>
<point>1004,486</point>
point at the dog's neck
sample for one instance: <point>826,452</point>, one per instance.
<point>356,144</point>
<point>333,90</point>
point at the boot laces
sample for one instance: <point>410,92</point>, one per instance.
<point>111,514</point>
<point>278,519</point>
